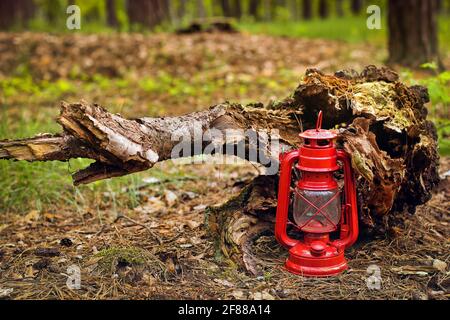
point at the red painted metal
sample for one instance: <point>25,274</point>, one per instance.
<point>317,254</point>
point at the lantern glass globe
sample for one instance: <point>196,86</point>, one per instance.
<point>317,211</point>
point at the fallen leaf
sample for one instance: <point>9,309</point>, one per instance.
<point>170,197</point>
<point>238,294</point>
<point>31,216</point>
<point>5,292</point>
<point>50,217</point>
<point>224,282</point>
<point>200,207</point>
<point>192,224</point>
<point>439,265</point>
<point>20,236</point>
<point>263,295</point>
<point>62,260</point>
<point>150,180</point>
<point>30,272</point>
<point>148,278</point>
<point>188,195</point>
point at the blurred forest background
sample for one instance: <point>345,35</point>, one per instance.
<point>144,235</point>
<point>335,19</point>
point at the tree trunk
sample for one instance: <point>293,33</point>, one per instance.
<point>413,36</point>
<point>276,4</point>
<point>7,9</point>
<point>293,7</point>
<point>111,17</point>
<point>147,13</point>
<point>323,9</point>
<point>307,9</point>
<point>136,12</point>
<point>236,9</point>
<point>356,6</point>
<point>339,8</point>
<point>201,12</point>
<point>231,8</point>
<point>17,12</point>
<point>253,6</point>
<point>380,122</point>
<point>226,8</point>
<point>28,10</point>
<point>180,11</point>
<point>440,6</point>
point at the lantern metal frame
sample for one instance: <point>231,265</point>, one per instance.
<point>317,159</point>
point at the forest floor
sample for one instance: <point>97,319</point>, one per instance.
<point>143,236</point>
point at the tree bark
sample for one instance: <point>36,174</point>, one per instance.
<point>293,7</point>
<point>440,6</point>
<point>380,122</point>
<point>339,8</point>
<point>147,13</point>
<point>253,6</point>
<point>231,8</point>
<point>226,8</point>
<point>413,36</point>
<point>356,6</point>
<point>6,14</point>
<point>180,11</point>
<point>307,9</point>
<point>200,10</point>
<point>323,9</point>
<point>17,12</point>
<point>111,17</point>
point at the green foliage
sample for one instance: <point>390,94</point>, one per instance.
<point>439,91</point>
<point>24,182</point>
<point>25,85</point>
<point>111,258</point>
<point>443,128</point>
<point>48,185</point>
<point>439,88</point>
<point>350,29</point>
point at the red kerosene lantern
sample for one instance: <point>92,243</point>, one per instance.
<point>328,221</point>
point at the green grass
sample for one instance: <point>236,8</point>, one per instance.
<point>351,29</point>
<point>48,185</point>
<point>439,91</point>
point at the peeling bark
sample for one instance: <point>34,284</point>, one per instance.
<point>122,146</point>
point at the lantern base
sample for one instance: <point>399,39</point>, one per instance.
<point>302,261</point>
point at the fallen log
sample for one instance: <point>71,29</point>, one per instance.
<point>380,122</point>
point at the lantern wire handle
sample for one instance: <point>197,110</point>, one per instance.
<point>319,121</point>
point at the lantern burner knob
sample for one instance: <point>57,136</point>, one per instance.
<point>318,247</point>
